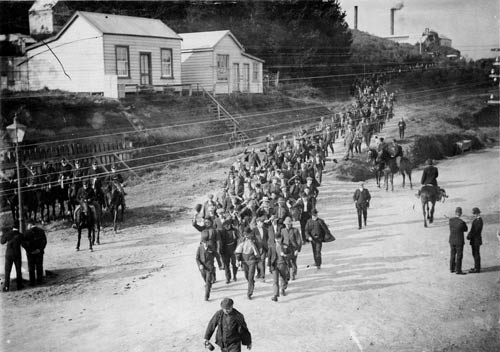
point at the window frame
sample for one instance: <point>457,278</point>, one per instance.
<point>171,76</point>
<point>226,80</point>
<point>128,60</point>
<point>255,72</point>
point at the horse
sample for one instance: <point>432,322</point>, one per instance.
<point>89,217</point>
<point>377,167</point>
<point>430,194</point>
<point>114,199</point>
<point>31,201</point>
<point>47,200</point>
<point>72,201</point>
<point>391,167</point>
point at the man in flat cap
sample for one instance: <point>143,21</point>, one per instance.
<point>474,236</point>
<point>232,330</point>
<point>457,229</point>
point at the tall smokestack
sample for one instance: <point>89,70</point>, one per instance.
<point>395,8</point>
<point>355,17</point>
<point>392,21</point>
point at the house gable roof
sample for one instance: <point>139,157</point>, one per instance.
<point>119,25</point>
<point>205,40</point>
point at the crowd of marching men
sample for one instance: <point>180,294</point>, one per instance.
<point>250,222</point>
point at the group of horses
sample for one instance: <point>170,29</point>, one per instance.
<point>49,196</point>
<point>383,163</point>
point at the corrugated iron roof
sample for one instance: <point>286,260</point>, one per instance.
<point>128,25</point>
<point>204,40</point>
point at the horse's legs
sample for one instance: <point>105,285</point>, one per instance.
<point>409,178</point>
<point>79,237</point>
<point>424,203</point>
<point>404,178</point>
<point>91,231</point>
<point>392,182</point>
<point>115,213</point>
<point>431,220</point>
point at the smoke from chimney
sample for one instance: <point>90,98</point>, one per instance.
<point>355,17</point>
<point>395,8</point>
<point>398,6</point>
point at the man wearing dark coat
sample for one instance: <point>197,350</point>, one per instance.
<point>232,330</point>
<point>457,229</point>
<point>205,260</point>
<point>229,240</point>
<point>430,174</point>
<point>34,242</point>
<point>261,240</point>
<point>362,199</point>
<point>278,266</point>
<point>474,236</point>
<point>315,233</point>
<point>13,239</point>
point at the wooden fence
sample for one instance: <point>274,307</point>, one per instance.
<point>104,153</point>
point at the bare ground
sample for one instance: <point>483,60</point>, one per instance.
<point>384,288</point>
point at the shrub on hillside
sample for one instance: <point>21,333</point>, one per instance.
<point>439,146</point>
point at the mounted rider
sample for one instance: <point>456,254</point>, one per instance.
<point>116,179</point>
<point>429,178</point>
<point>85,198</point>
<point>397,152</point>
<point>95,174</point>
<point>65,173</point>
<point>78,175</point>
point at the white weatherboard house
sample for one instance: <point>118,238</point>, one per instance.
<point>96,52</point>
<point>218,63</point>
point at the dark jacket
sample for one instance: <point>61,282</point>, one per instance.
<point>292,238</point>
<point>34,239</point>
<point>261,240</point>
<point>275,258</point>
<point>205,257</point>
<point>474,235</point>
<point>236,332</point>
<point>13,239</point>
<point>429,176</point>
<point>316,229</point>
<point>362,198</point>
<point>212,235</point>
<point>457,229</point>
<point>271,234</point>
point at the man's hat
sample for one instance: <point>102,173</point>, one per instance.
<point>94,162</point>
<point>309,178</point>
<point>458,210</point>
<point>226,303</point>
<point>476,211</point>
<point>288,220</point>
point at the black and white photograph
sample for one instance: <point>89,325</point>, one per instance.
<point>236,175</point>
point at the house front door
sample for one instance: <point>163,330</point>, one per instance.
<point>236,77</point>
<point>145,68</point>
<point>246,78</point>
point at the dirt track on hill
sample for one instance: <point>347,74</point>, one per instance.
<point>384,288</point>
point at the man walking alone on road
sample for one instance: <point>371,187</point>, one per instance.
<point>232,330</point>
<point>457,229</point>
<point>362,199</point>
<point>315,232</point>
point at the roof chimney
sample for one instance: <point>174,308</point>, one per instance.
<point>395,8</point>
<point>355,17</point>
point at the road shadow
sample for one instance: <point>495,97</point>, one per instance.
<point>490,269</point>
<point>147,215</point>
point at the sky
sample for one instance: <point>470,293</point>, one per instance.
<point>472,25</point>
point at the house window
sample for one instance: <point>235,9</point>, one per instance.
<point>122,61</point>
<point>166,63</point>
<point>255,72</point>
<point>222,67</point>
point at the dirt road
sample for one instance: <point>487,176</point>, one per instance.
<point>386,287</point>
